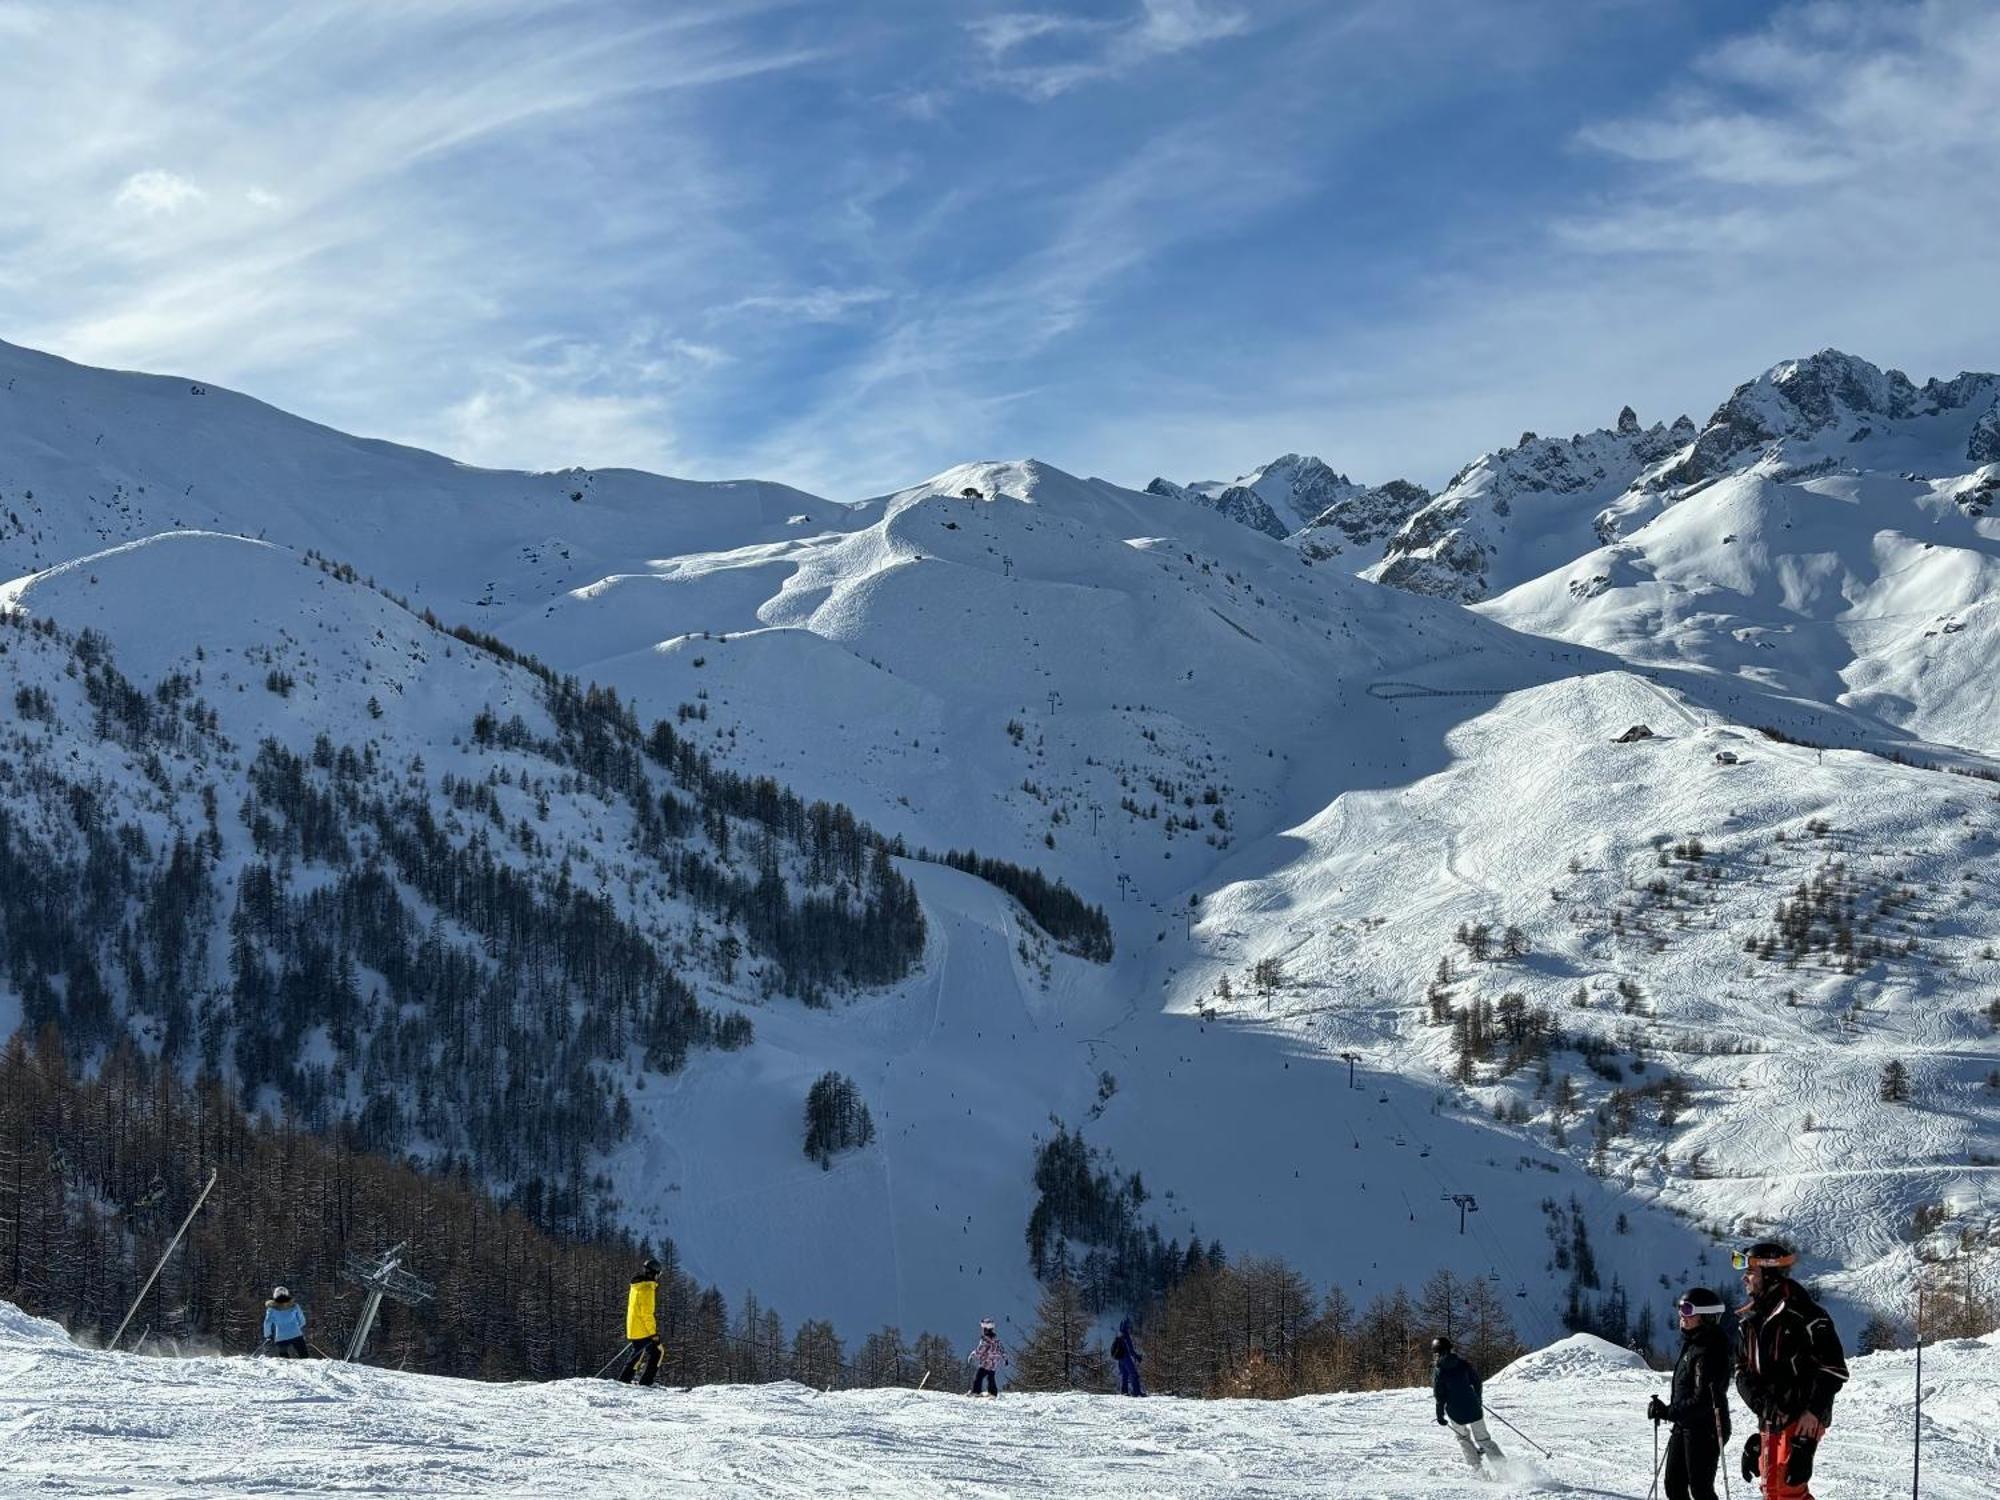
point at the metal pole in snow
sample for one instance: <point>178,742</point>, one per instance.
<point>1917,1422</point>
<point>133,1311</point>
<point>362,1329</point>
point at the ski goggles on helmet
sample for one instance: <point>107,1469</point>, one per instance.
<point>1693,1309</point>
<point>1743,1260</point>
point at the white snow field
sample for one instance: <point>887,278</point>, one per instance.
<point>75,1422</point>
<point>1241,755</point>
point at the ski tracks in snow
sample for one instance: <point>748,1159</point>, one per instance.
<point>80,1422</point>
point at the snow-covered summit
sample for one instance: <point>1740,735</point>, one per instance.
<point>1833,398</point>
<point>1284,496</point>
<point>1830,532</point>
<point>90,458</point>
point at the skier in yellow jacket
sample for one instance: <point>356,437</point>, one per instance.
<point>642,1325</point>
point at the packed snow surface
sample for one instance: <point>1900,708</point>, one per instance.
<point>74,1421</point>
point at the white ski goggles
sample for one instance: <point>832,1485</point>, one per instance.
<point>1691,1309</point>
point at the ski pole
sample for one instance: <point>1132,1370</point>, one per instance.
<point>612,1361</point>
<point>1722,1458</point>
<point>1654,1489</point>
<point>1917,1419</point>
<point>317,1350</point>
<point>1522,1435</point>
<point>258,1352</point>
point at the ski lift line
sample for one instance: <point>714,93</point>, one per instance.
<point>1494,1253</point>
<point>1550,1327</point>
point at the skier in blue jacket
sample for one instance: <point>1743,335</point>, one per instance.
<point>285,1326</point>
<point>1125,1349</point>
<point>1457,1388</point>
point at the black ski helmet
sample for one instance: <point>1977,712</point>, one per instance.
<point>1701,1302</point>
<point>650,1266</point>
<point>1440,1346</point>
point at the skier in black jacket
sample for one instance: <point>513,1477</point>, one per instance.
<point>1698,1403</point>
<point>1456,1386</point>
<point>1789,1364</point>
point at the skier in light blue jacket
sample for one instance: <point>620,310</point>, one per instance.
<point>285,1326</point>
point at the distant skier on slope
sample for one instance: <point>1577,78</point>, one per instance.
<point>642,1325</point>
<point>1125,1349</point>
<point>1789,1365</point>
<point>988,1356</point>
<point>1697,1403</point>
<point>1457,1388</point>
<point>285,1326</point>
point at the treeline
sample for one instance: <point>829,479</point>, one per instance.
<point>1077,927</point>
<point>96,1174</point>
<point>1259,1330</point>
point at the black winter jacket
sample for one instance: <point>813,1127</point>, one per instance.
<point>1699,1398</point>
<point>1456,1385</point>
<point>1789,1361</point>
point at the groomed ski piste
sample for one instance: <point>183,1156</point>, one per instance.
<point>76,1421</point>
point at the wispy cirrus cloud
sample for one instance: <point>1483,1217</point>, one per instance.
<point>820,304</point>
<point>1042,54</point>
<point>1831,115</point>
<point>402,194</point>
<point>847,246</point>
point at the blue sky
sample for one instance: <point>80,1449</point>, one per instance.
<point>847,244</point>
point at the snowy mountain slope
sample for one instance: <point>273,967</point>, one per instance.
<point>1515,515</point>
<point>1868,590</point>
<point>1212,662</point>
<point>1638,955</point>
<point>381,838</point>
<point>1517,512</point>
<point>1235,752</point>
<point>908,668</point>
<point>208,1426</point>
<point>964,1064</point>
<point>91,458</point>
